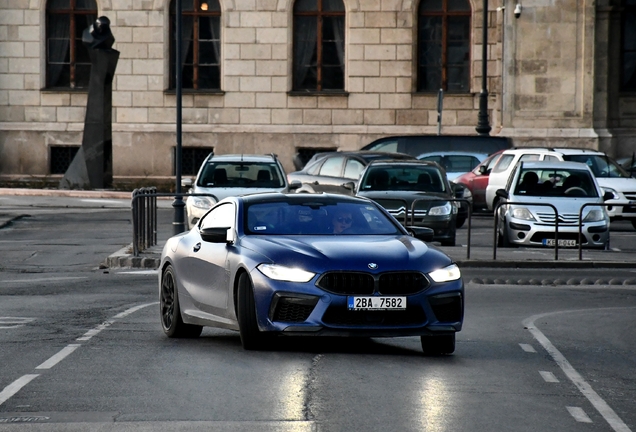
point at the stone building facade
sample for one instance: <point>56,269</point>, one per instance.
<point>554,79</point>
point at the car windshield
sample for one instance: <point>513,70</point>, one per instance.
<point>601,166</point>
<point>569,183</point>
<point>241,175</point>
<point>316,218</point>
<point>425,178</point>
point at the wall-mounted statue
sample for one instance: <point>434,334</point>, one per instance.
<point>92,167</point>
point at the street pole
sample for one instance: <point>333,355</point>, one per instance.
<point>178,224</point>
<point>483,127</point>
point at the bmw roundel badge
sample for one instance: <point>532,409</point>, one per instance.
<point>373,266</point>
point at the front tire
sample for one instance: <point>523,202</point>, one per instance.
<point>251,336</point>
<point>438,345</point>
<point>171,320</point>
<point>634,223</point>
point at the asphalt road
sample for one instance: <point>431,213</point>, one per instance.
<point>82,349</point>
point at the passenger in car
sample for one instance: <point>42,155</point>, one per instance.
<point>528,185</point>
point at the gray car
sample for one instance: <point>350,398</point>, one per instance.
<point>327,172</point>
<point>221,176</point>
<point>567,186</point>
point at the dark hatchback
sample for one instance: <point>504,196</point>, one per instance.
<point>417,144</point>
<point>397,185</point>
<point>327,172</point>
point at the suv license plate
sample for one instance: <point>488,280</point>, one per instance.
<point>376,303</point>
<point>562,243</point>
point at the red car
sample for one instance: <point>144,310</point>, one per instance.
<point>477,180</point>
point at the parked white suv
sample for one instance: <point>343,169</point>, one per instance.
<point>609,174</point>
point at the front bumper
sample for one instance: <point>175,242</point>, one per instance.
<point>305,309</point>
<point>526,233</point>
<point>626,209</point>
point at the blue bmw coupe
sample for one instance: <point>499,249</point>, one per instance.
<point>275,264</point>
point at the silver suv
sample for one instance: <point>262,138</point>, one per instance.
<point>567,186</point>
<point>232,175</point>
<point>609,174</point>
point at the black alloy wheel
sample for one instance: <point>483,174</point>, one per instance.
<point>171,321</point>
<point>251,337</point>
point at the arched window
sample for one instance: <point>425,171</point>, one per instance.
<point>318,45</point>
<point>67,62</point>
<point>200,44</point>
<point>628,58</point>
<point>443,46</point>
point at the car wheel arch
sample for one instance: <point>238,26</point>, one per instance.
<point>235,287</point>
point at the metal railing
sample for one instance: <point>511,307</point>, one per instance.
<point>468,218</point>
<point>144,215</point>
<point>412,212</point>
<point>496,228</point>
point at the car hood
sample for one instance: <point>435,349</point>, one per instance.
<point>352,253</point>
<point>617,183</point>
<point>408,196</point>
<point>563,205</point>
<point>222,193</point>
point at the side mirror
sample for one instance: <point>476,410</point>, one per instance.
<point>186,182</point>
<point>295,184</point>
<point>215,235</point>
<point>483,170</point>
<point>349,186</point>
<point>608,196</point>
<point>421,233</point>
<point>502,193</point>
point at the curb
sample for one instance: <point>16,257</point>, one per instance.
<point>556,282</point>
<point>124,259</point>
<point>66,193</point>
<point>544,264</point>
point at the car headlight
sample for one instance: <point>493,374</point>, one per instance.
<point>522,213</point>
<point>467,194</point>
<point>446,274</point>
<point>595,215</point>
<point>442,210</point>
<point>282,273</point>
<point>613,192</point>
<point>201,202</point>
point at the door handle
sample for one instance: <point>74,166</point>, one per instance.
<point>196,247</point>
<point>315,182</point>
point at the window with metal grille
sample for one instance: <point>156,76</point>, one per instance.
<point>444,46</point>
<point>61,157</point>
<point>628,55</point>
<point>318,46</point>
<point>191,159</point>
<point>68,64</point>
<point>201,44</point>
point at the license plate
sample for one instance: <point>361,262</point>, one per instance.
<point>376,303</point>
<point>562,242</point>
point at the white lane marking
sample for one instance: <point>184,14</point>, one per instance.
<point>616,249</point>
<point>549,377</point>
<point>138,272</point>
<point>92,332</point>
<point>45,279</point>
<point>527,348</point>
<point>15,387</point>
<point>601,406</point>
<point>64,352</point>
<point>14,322</point>
<point>579,415</point>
